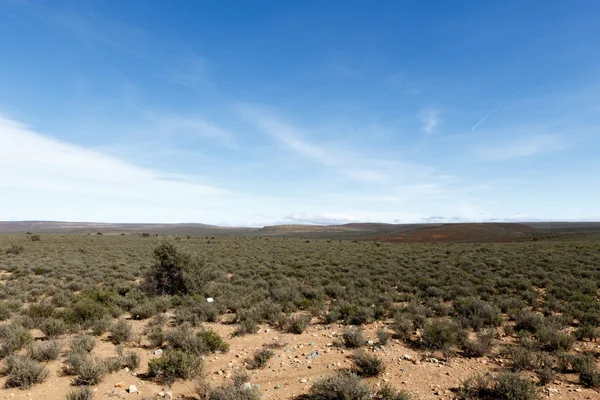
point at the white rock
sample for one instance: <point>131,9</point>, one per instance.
<point>210,299</point>
<point>132,389</point>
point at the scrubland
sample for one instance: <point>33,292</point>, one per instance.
<point>87,316</point>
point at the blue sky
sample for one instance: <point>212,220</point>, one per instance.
<point>260,112</point>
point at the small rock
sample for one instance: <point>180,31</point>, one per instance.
<point>158,352</point>
<point>132,389</point>
<point>303,380</point>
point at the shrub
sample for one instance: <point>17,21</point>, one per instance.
<point>45,351</point>
<point>590,378</point>
<point>22,372</point>
<point>588,332</point>
<point>5,311</point>
<point>212,341</point>
<point>553,340</point>
<point>156,336</point>
<point>183,338</point>
<point>83,343</point>
<point>75,360</point>
<point>574,362</point>
<point>235,390</point>
<point>14,249</point>
<point>248,326</point>
<point>13,338</point>
<point>35,238</point>
<point>522,358</point>
<point>386,392</point>
<point>82,393</point>
<point>175,364</point>
<point>383,336</point>
<point>260,358</point>
<point>341,386</point>
<point>120,331</point>
<point>100,326</point>
<point>529,321</point>
<point>53,327</point>
<point>89,373</point>
<point>112,364</point>
<point>477,313</point>
<point>479,347</point>
<point>367,365</point>
<point>297,324</point>
<point>166,276</point>
<point>439,335</point>
<point>403,326</point>
<point>504,386</point>
<point>131,360</point>
<point>353,337</point>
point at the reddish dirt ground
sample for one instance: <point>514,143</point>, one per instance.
<point>290,373</point>
<point>467,233</point>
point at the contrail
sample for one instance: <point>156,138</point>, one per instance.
<point>493,110</point>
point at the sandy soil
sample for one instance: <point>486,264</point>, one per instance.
<point>291,372</point>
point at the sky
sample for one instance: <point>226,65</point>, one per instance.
<point>251,113</point>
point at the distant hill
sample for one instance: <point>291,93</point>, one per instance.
<point>93,227</point>
<point>400,233</point>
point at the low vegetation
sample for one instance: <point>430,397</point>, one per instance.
<point>533,303</point>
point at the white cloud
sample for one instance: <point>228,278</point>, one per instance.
<point>44,168</point>
<point>527,145</point>
<point>319,219</point>
<point>342,161</point>
<point>430,120</point>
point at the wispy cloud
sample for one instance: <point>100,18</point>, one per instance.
<point>34,163</point>
<point>524,146</point>
<point>173,125</point>
<point>294,138</point>
<point>430,120</point>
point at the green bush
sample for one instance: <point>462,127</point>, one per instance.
<point>22,372</point>
<point>353,337</point>
<point>367,365</point>
<point>45,351</point>
<point>439,334</point>
<point>183,338</point>
<point>590,378</point>
<point>479,347</point>
<point>522,358</point>
<point>156,336</point>
<point>383,336</point>
<point>234,390</point>
<point>504,386</point>
<point>120,331</point>
<point>551,339</point>
<point>403,326</point>
<point>246,327</point>
<point>53,327</point>
<point>15,249</point>
<point>344,385</point>
<point>90,373</point>
<point>82,393</point>
<point>476,313</point>
<point>298,324</point>
<point>529,321</point>
<point>112,364</point>
<point>260,358</point>
<point>131,360</point>
<point>14,338</point>
<point>175,364</point>
<point>212,340</point>
<point>386,392</point>
<point>83,343</point>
